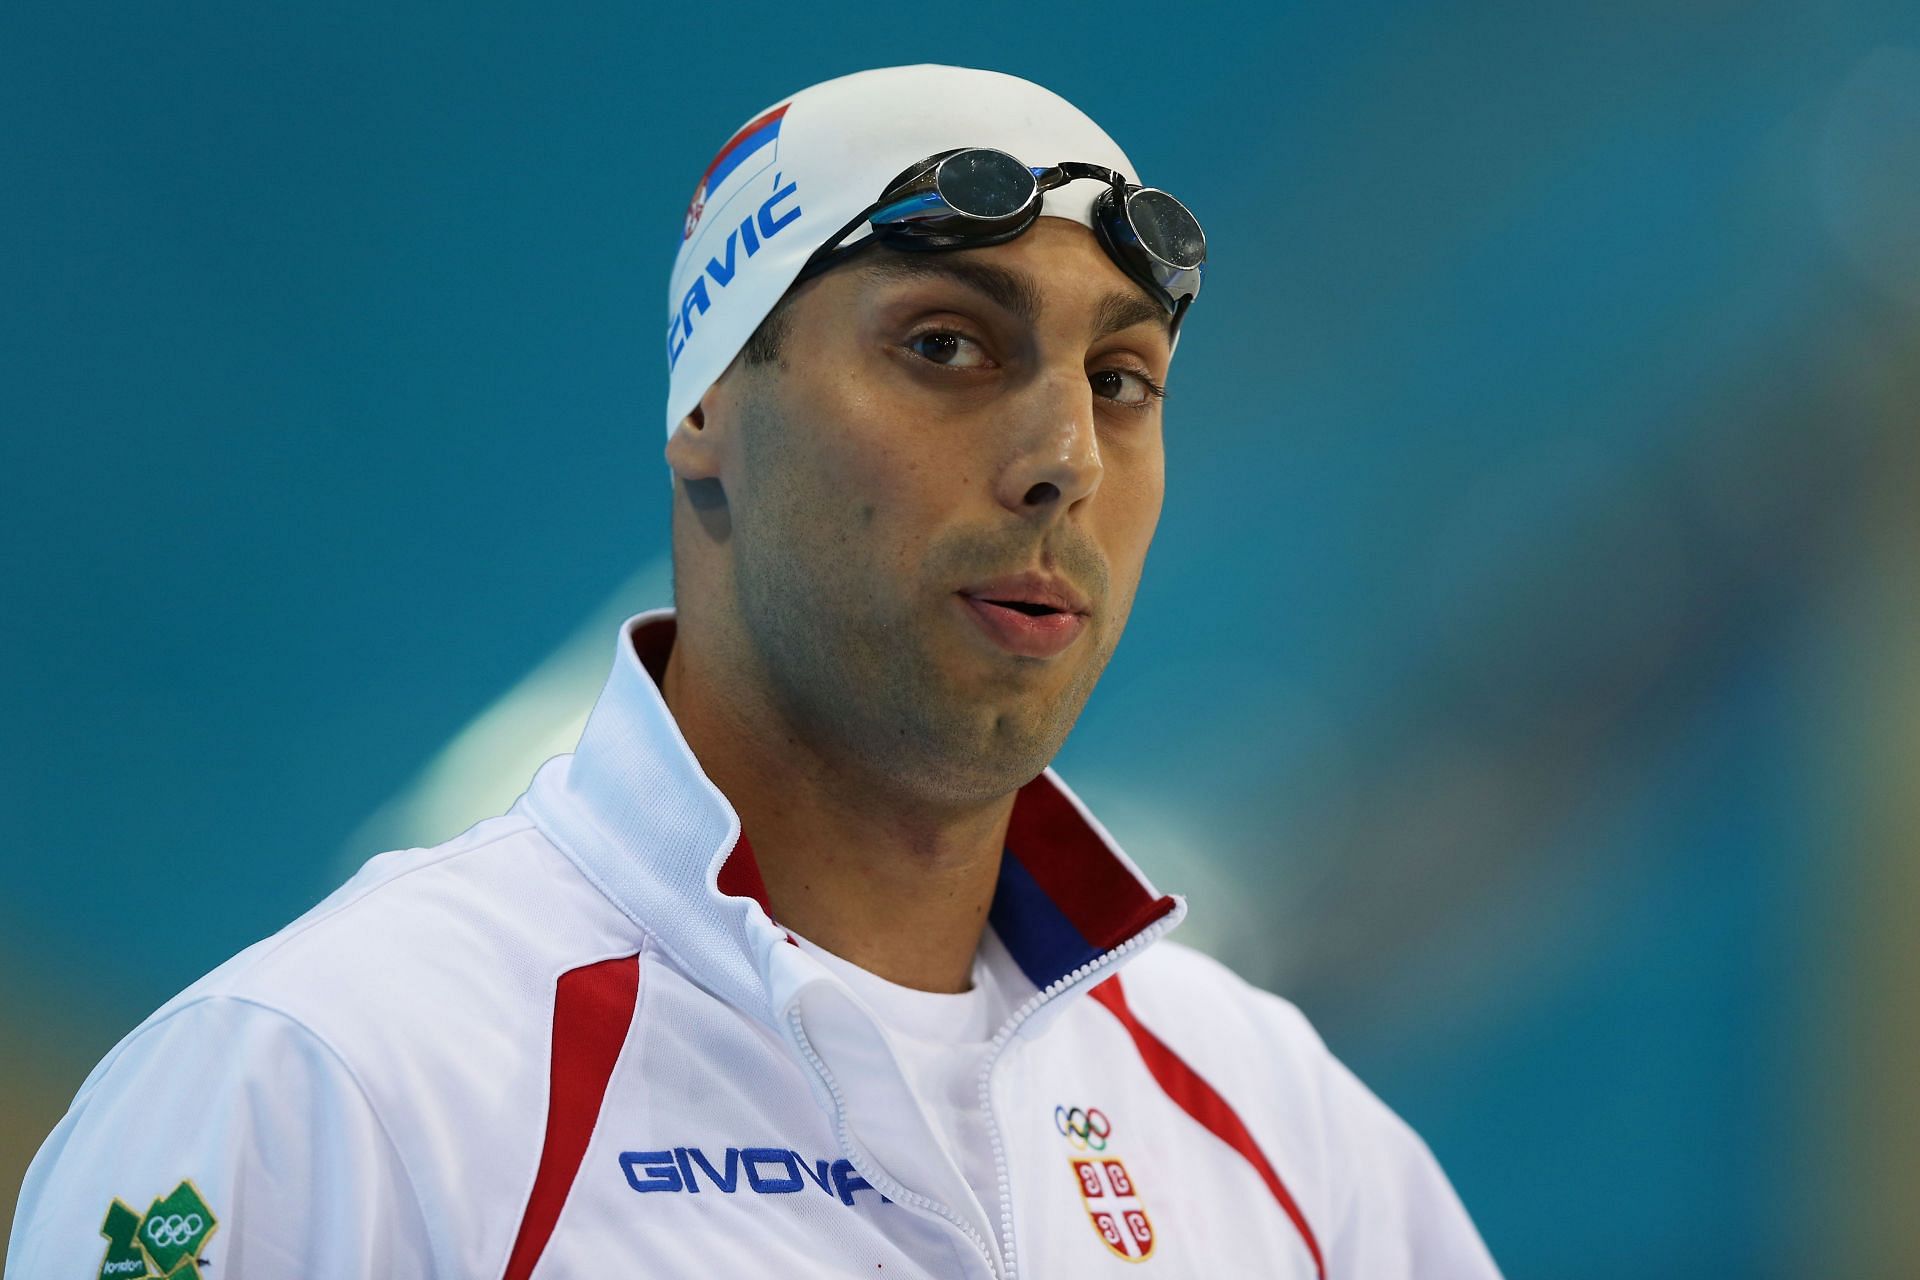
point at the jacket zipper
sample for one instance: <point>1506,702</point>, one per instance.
<point>1001,1172</point>
<point>885,1185</point>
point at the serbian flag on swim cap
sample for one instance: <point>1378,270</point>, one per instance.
<point>796,172</point>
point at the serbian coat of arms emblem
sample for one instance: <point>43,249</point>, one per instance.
<point>1106,1188</point>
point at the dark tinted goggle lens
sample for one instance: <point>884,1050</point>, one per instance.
<point>982,183</point>
<point>1167,229</point>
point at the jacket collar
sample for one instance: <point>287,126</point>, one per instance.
<point>633,809</point>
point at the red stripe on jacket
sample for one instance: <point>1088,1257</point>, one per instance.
<point>1203,1102</point>
<point>592,1009</point>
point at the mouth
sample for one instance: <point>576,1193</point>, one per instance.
<point>1032,614</point>
<point>1033,609</point>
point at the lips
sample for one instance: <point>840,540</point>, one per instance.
<point>1027,614</point>
<point>1030,593</point>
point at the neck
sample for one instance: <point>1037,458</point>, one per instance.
<point>888,881</point>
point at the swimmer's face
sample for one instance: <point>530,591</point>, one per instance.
<point>937,423</point>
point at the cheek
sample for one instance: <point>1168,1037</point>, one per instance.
<point>1139,489</point>
<point>1127,533</point>
<point>884,482</point>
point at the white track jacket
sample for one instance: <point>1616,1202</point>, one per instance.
<point>573,1042</point>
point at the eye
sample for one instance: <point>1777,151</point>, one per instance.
<point>1126,387</point>
<point>944,347</point>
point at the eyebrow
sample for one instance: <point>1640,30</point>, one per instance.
<point>1124,310</point>
<point>1014,290</point>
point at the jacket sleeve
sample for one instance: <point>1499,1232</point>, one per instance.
<point>222,1139</point>
<point>1394,1212</point>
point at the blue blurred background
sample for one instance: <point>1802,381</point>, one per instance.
<point>1526,678</point>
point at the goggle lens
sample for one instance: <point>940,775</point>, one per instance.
<point>984,183</point>
<point>1167,229</point>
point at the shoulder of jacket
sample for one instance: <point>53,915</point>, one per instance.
<point>1177,989</point>
<point>217,1096</point>
<point>244,1028</point>
<point>424,987</point>
<point>428,951</point>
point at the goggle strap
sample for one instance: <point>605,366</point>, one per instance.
<point>832,250</point>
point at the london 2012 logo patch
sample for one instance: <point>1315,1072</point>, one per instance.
<point>1106,1188</point>
<point>163,1243</point>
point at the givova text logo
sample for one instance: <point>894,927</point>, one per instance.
<point>764,1171</point>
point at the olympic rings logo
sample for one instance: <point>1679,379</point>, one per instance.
<point>1084,1130</point>
<point>174,1229</point>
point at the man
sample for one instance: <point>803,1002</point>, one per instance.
<point>804,962</point>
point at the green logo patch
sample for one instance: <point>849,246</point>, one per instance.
<point>124,1261</point>
<point>163,1243</point>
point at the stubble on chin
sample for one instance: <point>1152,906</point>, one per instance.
<point>902,696</point>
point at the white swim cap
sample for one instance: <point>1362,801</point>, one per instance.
<point>800,170</point>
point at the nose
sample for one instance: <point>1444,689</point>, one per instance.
<point>1055,458</point>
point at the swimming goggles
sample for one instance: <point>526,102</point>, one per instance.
<point>977,196</point>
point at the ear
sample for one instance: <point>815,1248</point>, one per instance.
<point>692,450</point>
